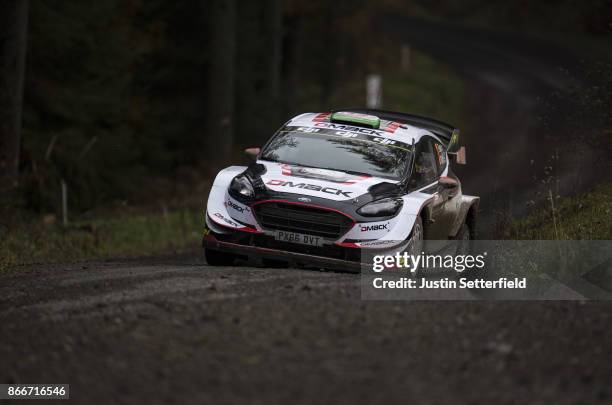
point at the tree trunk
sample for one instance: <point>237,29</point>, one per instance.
<point>292,63</point>
<point>273,43</point>
<point>250,48</point>
<point>221,76</point>
<point>13,45</point>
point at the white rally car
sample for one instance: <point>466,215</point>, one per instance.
<point>328,187</point>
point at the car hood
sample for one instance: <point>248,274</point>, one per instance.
<point>322,183</point>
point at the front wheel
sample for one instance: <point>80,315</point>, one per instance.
<point>218,258</point>
<point>415,244</point>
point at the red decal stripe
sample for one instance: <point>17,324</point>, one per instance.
<point>357,179</point>
<point>286,169</point>
<point>321,117</point>
<point>392,126</point>
<point>348,245</point>
<point>247,229</point>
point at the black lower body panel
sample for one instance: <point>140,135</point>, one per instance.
<point>264,247</point>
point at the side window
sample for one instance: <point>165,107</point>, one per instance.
<point>440,152</point>
<point>425,165</point>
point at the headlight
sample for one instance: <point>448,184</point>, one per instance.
<point>381,208</point>
<point>241,186</point>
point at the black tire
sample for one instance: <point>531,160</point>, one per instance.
<point>415,242</point>
<point>464,240</point>
<point>217,258</point>
<point>464,243</point>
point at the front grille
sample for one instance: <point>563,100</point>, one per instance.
<point>302,219</point>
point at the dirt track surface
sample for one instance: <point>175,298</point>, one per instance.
<point>178,331</point>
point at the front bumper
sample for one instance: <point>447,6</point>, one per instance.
<point>294,259</point>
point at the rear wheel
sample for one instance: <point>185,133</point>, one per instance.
<point>218,258</point>
<point>464,240</point>
<point>464,247</point>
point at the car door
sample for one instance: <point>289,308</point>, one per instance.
<point>424,178</point>
<point>450,195</point>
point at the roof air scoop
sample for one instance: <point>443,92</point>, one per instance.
<point>357,119</point>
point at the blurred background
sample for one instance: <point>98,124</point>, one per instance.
<point>127,109</point>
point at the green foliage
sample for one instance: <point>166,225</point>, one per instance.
<point>118,85</point>
<point>116,91</point>
<point>563,16</point>
<point>428,88</point>
<point>126,235</point>
<point>587,216</point>
<point>80,92</point>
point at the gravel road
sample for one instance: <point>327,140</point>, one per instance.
<point>173,330</point>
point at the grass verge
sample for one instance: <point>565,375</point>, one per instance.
<point>583,217</point>
<point>123,235</point>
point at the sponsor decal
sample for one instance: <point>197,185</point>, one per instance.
<point>377,227</point>
<point>226,220</point>
<point>349,132</point>
<point>380,243</point>
<point>306,186</point>
<point>349,128</point>
<point>440,154</point>
<point>384,141</point>
<point>304,199</point>
<point>344,134</point>
<point>236,207</point>
<point>307,129</point>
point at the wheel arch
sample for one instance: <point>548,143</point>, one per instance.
<point>468,214</point>
<point>470,219</point>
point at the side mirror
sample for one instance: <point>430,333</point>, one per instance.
<point>448,182</point>
<point>252,153</point>
<point>459,156</point>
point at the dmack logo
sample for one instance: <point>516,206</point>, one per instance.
<point>235,206</point>
<point>305,186</point>
<point>366,228</point>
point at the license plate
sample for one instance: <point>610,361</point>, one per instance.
<point>300,238</point>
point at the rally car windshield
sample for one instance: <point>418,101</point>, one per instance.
<point>361,155</point>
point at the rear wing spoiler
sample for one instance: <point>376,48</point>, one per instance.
<point>447,133</point>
